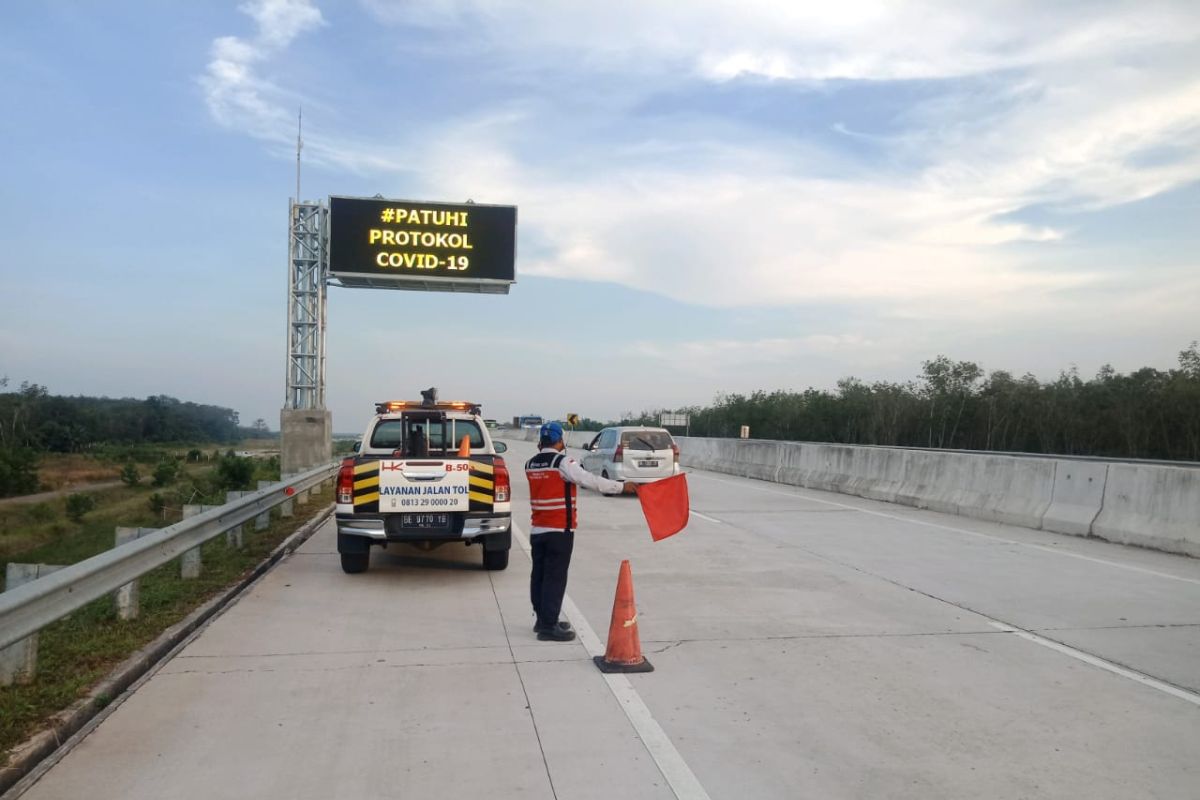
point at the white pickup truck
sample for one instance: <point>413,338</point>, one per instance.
<point>427,473</point>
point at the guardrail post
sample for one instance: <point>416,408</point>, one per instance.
<point>234,536</point>
<point>263,520</point>
<point>288,507</point>
<point>127,596</point>
<point>189,562</point>
<point>18,662</point>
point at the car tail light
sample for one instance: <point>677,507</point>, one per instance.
<point>619,453</point>
<point>500,476</point>
<point>675,450</point>
<point>345,482</point>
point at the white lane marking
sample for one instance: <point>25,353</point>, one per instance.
<point>1079,655</point>
<point>674,769</point>
<point>1088,658</point>
<point>703,516</point>
<point>951,528</point>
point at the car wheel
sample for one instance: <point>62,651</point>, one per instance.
<point>355,562</point>
<point>495,559</point>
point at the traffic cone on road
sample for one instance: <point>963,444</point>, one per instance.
<point>624,651</point>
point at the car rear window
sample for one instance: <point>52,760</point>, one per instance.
<point>646,440</point>
<point>388,433</point>
<point>424,437</point>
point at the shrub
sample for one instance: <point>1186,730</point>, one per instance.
<point>165,473</point>
<point>269,470</point>
<point>130,475</point>
<point>157,503</point>
<point>18,471</point>
<point>78,505</point>
<point>235,473</point>
<point>194,455</point>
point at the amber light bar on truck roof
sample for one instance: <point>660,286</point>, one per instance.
<point>446,405</point>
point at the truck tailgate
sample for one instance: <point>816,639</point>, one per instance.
<point>424,485</point>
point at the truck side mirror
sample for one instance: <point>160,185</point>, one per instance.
<point>500,447</point>
<point>357,446</point>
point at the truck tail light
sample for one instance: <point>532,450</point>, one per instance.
<point>500,476</point>
<point>675,450</point>
<point>345,482</point>
<point>619,453</point>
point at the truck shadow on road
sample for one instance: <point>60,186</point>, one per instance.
<point>449,558</point>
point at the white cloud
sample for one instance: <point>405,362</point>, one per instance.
<point>236,95</point>
<point>1066,101</point>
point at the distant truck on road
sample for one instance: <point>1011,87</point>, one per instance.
<point>527,421</point>
<point>426,473</point>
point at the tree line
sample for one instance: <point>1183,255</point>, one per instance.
<point>33,421</point>
<point>1147,413</point>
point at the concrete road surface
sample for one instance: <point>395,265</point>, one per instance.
<point>806,645</point>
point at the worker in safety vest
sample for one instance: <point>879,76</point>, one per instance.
<point>553,478</point>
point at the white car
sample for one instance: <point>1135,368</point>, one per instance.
<point>632,453</point>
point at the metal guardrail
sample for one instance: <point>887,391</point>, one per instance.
<point>31,607</point>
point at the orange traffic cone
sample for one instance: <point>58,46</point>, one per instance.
<point>624,652</point>
<point>464,447</point>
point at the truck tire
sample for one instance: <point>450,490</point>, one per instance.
<point>495,559</point>
<point>355,562</point>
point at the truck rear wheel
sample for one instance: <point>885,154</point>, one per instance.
<point>495,559</point>
<point>355,562</point>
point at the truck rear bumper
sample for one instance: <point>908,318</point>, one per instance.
<point>376,528</point>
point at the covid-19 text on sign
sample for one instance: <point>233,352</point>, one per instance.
<point>400,241</point>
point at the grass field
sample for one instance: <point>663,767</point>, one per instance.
<point>42,533</point>
<point>60,470</point>
<point>81,649</point>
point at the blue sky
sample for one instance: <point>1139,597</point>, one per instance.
<point>713,197</point>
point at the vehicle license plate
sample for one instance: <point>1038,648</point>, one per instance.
<point>425,521</point>
<point>647,463</point>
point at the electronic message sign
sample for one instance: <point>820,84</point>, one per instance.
<point>402,244</point>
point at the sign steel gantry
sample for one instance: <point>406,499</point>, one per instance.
<point>308,241</point>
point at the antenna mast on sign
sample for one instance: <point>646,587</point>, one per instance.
<point>299,146</point>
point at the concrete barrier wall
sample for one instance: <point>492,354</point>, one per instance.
<point>574,438</point>
<point>1149,505</point>
<point>1077,498</point>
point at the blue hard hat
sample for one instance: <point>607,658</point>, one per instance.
<point>551,432</point>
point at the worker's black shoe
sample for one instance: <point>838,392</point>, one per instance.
<point>562,625</point>
<point>556,634</point>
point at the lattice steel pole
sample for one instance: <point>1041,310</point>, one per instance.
<point>305,425</point>
<point>307,240</point>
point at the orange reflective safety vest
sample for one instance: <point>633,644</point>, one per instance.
<point>551,497</point>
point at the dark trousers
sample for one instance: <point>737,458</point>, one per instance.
<point>551,553</point>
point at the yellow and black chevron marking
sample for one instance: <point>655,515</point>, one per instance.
<point>366,486</point>
<point>482,486</point>
<point>482,489</point>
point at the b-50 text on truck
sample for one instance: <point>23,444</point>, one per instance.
<point>427,473</point>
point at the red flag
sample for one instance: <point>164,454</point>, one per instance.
<point>665,504</point>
